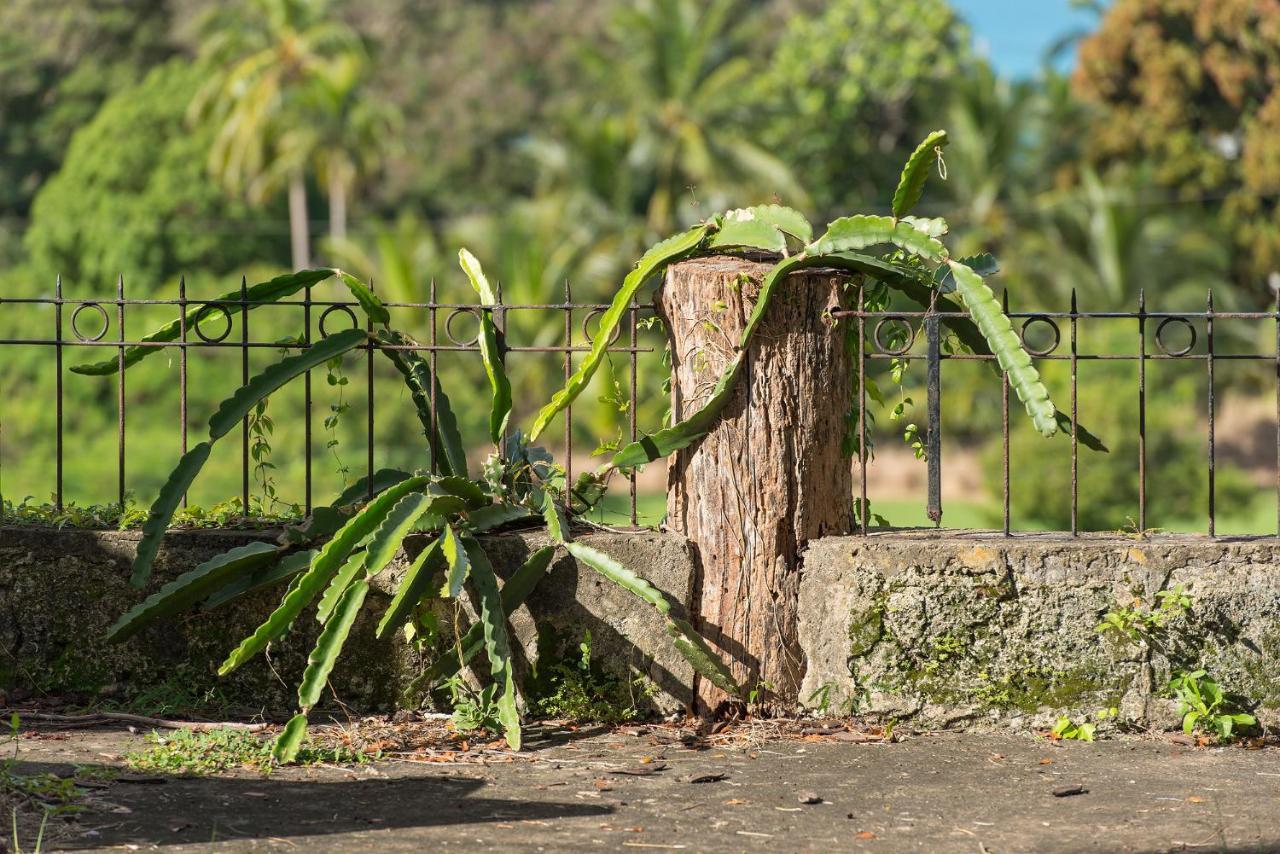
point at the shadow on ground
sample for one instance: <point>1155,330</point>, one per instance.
<point>194,810</point>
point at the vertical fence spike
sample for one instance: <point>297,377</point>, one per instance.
<point>933,392</point>
<point>57,337</point>
<point>1004,431</point>
<point>369,435</point>
<point>120,394</point>
<point>568,371</point>
<point>244,379</point>
<point>499,314</point>
<point>864,511</point>
<point>631,409</point>
<point>1075,418</point>
<point>1208,335</point>
<point>436,449</point>
<point>182,369</point>
<point>1142,410</point>
<point>307,497</point>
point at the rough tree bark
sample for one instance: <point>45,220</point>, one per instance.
<point>771,474</point>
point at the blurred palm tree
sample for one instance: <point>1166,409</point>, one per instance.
<point>671,85</point>
<point>1107,239</point>
<point>265,54</point>
<point>342,133</point>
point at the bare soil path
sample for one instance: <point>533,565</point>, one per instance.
<point>657,788</point>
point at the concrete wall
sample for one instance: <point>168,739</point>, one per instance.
<point>944,630</point>
<point>61,590</point>
<point>983,629</point>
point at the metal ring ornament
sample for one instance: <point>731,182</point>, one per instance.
<point>1042,351</point>
<point>75,321</point>
<point>351,315</point>
<point>1164,348</point>
<point>892,351</point>
<point>226,316</point>
<point>448,326</point>
<point>586,321</point>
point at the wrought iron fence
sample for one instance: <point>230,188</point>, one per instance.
<point>101,323</point>
<point>872,341</point>
<point>97,322</point>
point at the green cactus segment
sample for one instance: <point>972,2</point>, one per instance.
<point>653,262</point>
<point>1003,341</point>
<point>261,293</point>
<point>162,510</point>
<point>851,233</point>
<point>191,587</point>
<point>916,172</point>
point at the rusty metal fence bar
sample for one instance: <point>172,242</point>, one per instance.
<point>870,329</point>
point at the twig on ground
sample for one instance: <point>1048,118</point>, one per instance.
<point>100,718</point>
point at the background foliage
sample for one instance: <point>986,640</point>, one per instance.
<point>557,139</point>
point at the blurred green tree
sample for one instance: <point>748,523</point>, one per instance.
<point>851,89</point>
<point>57,66</point>
<point>1193,86</point>
<point>146,209</point>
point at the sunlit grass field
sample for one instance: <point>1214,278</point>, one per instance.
<point>1257,519</point>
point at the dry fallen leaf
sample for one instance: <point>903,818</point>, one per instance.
<point>1046,761</point>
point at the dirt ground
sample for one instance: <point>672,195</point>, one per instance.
<point>664,788</point>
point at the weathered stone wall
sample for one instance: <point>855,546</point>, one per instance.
<point>61,590</point>
<point>940,629</point>
<point>981,629</point>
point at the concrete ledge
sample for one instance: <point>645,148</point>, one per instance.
<point>983,629</point>
<point>950,630</point>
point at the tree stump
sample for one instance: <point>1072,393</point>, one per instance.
<point>771,474</point>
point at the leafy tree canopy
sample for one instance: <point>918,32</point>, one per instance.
<point>850,89</point>
<point>134,196</point>
<point>1194,86</point>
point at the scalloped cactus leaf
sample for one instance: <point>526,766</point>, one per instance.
<point>653,262</point>
<point>261,293</point>
<point>514,593</point>
<point>415,585</point>
<point>490,349</point>
<point>240,404</point>
<point>163,508</point>
<point>192,586</point>
<point>369,302</point>
<point>671,439</point>
<point>851,233</point>
<point>329,644</point>
<point>916,171</point>
<point>328,561</point>
<point>497,645</point>
<point>446,443</point>
<point>998,331</point>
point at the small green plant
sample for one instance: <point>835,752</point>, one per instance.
<point>1146,626</point>
<point>578,689</point>
<point>473,710</point>
<point>215,751</point>
<point>130,516</point>
<point>50,793</point>
<point>1068,730</point>
<point>1203,706</point>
